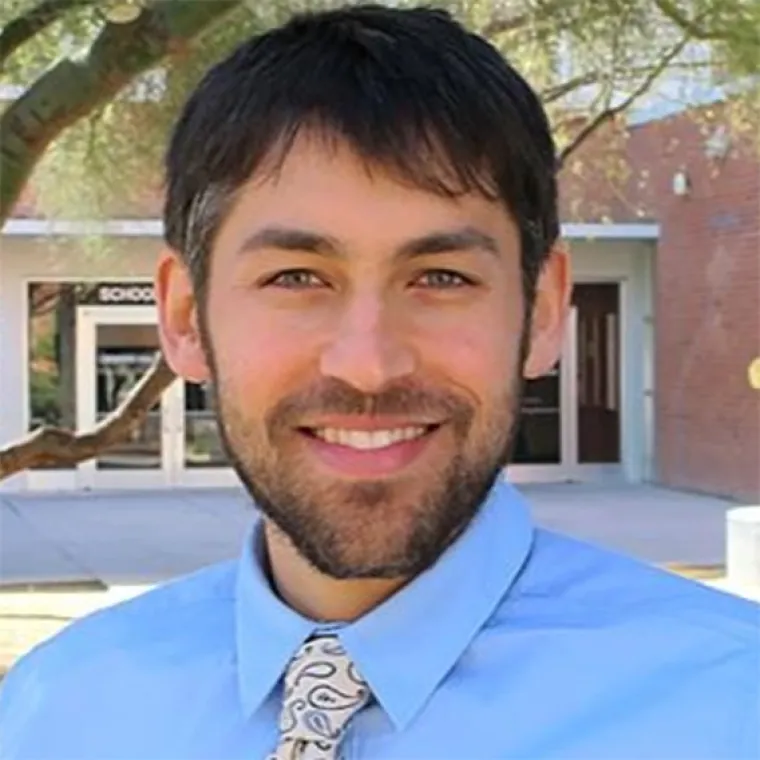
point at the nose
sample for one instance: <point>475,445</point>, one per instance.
<point>368,349</point>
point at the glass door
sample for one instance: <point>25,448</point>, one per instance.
<point>115,346</point>
<point>202,460</point>
<point>598,393</point>
<point>539,436</point>
<point>571,420</point>
<point>544,443</point>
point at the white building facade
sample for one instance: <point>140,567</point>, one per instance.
<point>78,327</point>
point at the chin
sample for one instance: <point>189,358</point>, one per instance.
<point>384,539</point>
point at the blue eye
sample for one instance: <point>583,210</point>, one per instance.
<point>296,279</point>
<point>443,279</point>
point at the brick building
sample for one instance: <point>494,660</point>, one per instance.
<point>698,178</point>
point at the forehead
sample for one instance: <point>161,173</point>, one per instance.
<point>325,186</point>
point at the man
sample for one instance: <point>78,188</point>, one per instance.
<point>362,258</point>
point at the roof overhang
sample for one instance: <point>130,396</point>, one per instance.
<point>154,228</point>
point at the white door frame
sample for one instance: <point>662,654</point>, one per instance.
<point>173,471</point>
<point>88,319</point>
<point>569,395</point>
<point>195,477</point>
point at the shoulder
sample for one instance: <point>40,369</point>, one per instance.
<point>93,656</point>
<point>667,666</point>
<point>608,586</point>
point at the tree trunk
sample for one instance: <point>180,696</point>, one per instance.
<point>59,98</point>
<point>71,89</point>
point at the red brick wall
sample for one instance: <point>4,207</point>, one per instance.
<point>707,309</point>
<point>707,286</point>
<point>596,183</point>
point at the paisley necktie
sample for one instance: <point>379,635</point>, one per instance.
<point>323,691</point>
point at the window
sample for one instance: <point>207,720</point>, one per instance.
<point>52,352</point>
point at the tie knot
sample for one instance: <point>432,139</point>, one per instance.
<point>323,691</point>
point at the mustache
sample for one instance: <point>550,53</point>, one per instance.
<point>334,396</point>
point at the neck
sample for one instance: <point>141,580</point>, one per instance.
<point>315,595</point>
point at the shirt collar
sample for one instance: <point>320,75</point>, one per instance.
<point>438,614</point>
<point>268,632</point>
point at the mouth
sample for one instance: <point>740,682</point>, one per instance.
<point>369,440</point>
<point>361,453</point>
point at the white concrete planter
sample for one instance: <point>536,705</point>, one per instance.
<point>743,547</point>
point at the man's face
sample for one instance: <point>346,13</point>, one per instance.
<point>366,343</point>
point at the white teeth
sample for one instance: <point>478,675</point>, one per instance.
<point>330,435</point>
<point>368,439</point>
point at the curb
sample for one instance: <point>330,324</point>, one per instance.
<point>63,603</point>
<point>696,572</point>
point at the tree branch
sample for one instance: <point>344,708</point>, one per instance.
<point>610,113</point>
<point>550,94</point>
<point>673,13</point>
<point>70,90</point>
<point>555,92</point>
<point>45,303</point>
<point>746,33</point>
<point>510,23</point>
<point>21,29</point>
<point>50,445</point>
<point>498,26</point>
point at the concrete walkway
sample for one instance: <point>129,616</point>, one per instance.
<point>141,538</point>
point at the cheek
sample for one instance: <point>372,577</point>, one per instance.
<point>481,360</point>
<point>258,359</point>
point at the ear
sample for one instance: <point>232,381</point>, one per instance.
<point>549,314</point>
<point>178,319</point>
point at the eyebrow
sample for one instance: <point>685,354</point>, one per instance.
<point>291,239</point>
<point>450,241</point>
<point>307,241</point>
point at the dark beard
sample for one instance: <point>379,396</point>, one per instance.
<point>333,546</point>
<point>444,518</point>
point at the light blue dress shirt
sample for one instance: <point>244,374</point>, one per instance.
<point>519,643</point>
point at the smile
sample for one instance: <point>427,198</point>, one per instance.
<point>369,440</point>
<point>375,453</point>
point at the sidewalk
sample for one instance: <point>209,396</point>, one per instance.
<point>145,537</point>
<point>64,555</point>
